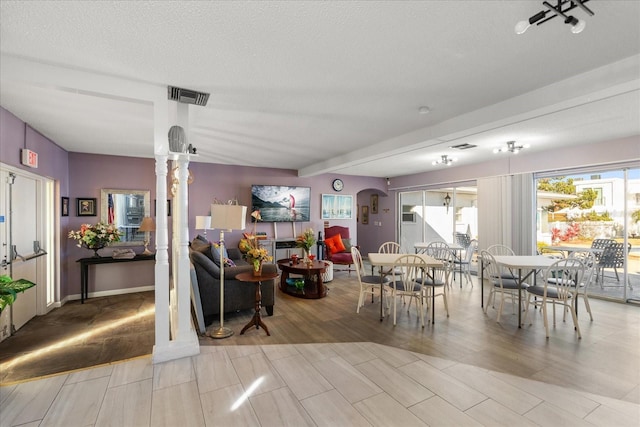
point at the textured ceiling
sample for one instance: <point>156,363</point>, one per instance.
<point>322,86</point>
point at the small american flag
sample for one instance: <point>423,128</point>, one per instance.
<point>110,210</point>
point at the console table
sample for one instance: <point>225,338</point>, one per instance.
<point>86,262</point>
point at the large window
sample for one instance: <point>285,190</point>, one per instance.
<point>576,208</point>
<point>437,214</point>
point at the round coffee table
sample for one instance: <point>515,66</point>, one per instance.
<point>256,320</point>
<point>314,287</point>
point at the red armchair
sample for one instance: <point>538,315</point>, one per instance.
<point>337,246</point>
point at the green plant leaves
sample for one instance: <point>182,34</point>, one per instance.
<point>9,289</point>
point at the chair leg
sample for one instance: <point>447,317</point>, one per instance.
<point>395,302</point>
<point>526,310</point>
<point>501,305</point>
<point>585,298</point>
<point>486,306</point>
<point>575,322</point>
<point>544,313</point>
<point>360,301</point>
<point>444,299</point>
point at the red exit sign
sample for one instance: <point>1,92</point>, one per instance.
<point>29,158</point>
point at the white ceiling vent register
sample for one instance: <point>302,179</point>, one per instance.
<point>187,96</point>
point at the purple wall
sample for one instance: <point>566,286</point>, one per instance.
<point>52,163</point>
<point>84,175</point>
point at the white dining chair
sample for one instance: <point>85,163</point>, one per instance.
<point>368,283</point>
<point>405,283</point>
<point>560,286</point>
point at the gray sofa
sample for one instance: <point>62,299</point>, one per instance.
<point>237,295</point>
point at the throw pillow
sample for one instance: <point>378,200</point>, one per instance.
<point>215,253</point>
<point>334,244</point>
<point>202,247</point>
<point>347,244</point>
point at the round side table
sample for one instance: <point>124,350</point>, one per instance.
<point>256,320</point>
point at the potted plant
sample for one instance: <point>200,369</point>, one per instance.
<point>9,289</point>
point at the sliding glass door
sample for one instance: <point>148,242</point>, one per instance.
<point>595,209</point>
<point>437,214</point>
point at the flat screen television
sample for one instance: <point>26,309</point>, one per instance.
<point>280,203</point>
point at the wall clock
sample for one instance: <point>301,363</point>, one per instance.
<point>337,185</point>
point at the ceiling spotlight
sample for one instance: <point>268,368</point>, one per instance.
<point>444,160</point>
<point>511,148</point>
<point>424,110</point>
<point>560,9</point>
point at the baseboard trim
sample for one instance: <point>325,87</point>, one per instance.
<point>111,292</point>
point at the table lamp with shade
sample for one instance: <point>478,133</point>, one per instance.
<point>225,217</point>
<point>203,223</point>
<point>147,225</point>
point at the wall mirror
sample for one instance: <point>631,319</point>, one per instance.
<point>125,209</point>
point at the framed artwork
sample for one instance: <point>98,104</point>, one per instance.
<point>374,203</point>
<point>337,206</point>
<point>86,206</point>
<point>64,206</point>
<point>155,208</point>
<point>365,214</point>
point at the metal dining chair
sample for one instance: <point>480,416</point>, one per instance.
<point>560,287</point>
<point>503,283</point>
<point>405,283</point>
<point>365,281</point>
<point>613,256</point>
<point>465,262</point>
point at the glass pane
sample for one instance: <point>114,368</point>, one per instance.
<point>587,211</point>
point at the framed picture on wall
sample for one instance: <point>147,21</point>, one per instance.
<point>86,206</point>
<point>64,206</point>
<point>374,203</point>
<point>337,206</point>
<point>365,214</point>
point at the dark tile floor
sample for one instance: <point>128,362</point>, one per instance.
<point>102,330</point>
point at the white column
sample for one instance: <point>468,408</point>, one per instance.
<point>184,341</point>
<point>162,257</point>
<point>182,280</point>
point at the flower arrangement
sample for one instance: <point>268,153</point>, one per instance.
<point>306,240</point>
<point>250,246</point>
<point>96,236</point>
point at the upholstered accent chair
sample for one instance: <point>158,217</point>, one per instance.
<point>337,246</point>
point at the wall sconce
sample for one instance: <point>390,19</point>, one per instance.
<point>447,201</point>
<point>511,148</point>
<point>444,160</point>
<point>559,9</point>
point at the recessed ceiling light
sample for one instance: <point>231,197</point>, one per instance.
<point>424,110</point>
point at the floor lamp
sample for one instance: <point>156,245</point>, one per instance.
<point>225,217</point>
<point>203,223</point>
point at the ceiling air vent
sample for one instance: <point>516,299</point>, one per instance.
<point>187,96</point>
<point>463,146</point>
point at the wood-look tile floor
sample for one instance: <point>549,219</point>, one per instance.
<point>329,384</point>
<point>326,365</point>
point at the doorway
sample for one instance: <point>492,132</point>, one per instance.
<point>27,247</point>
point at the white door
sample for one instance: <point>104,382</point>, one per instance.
<point>22,203</point>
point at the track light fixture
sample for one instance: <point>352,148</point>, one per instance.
<point>560,9</point>
<point>511,148</point>
<point>444,160</point>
